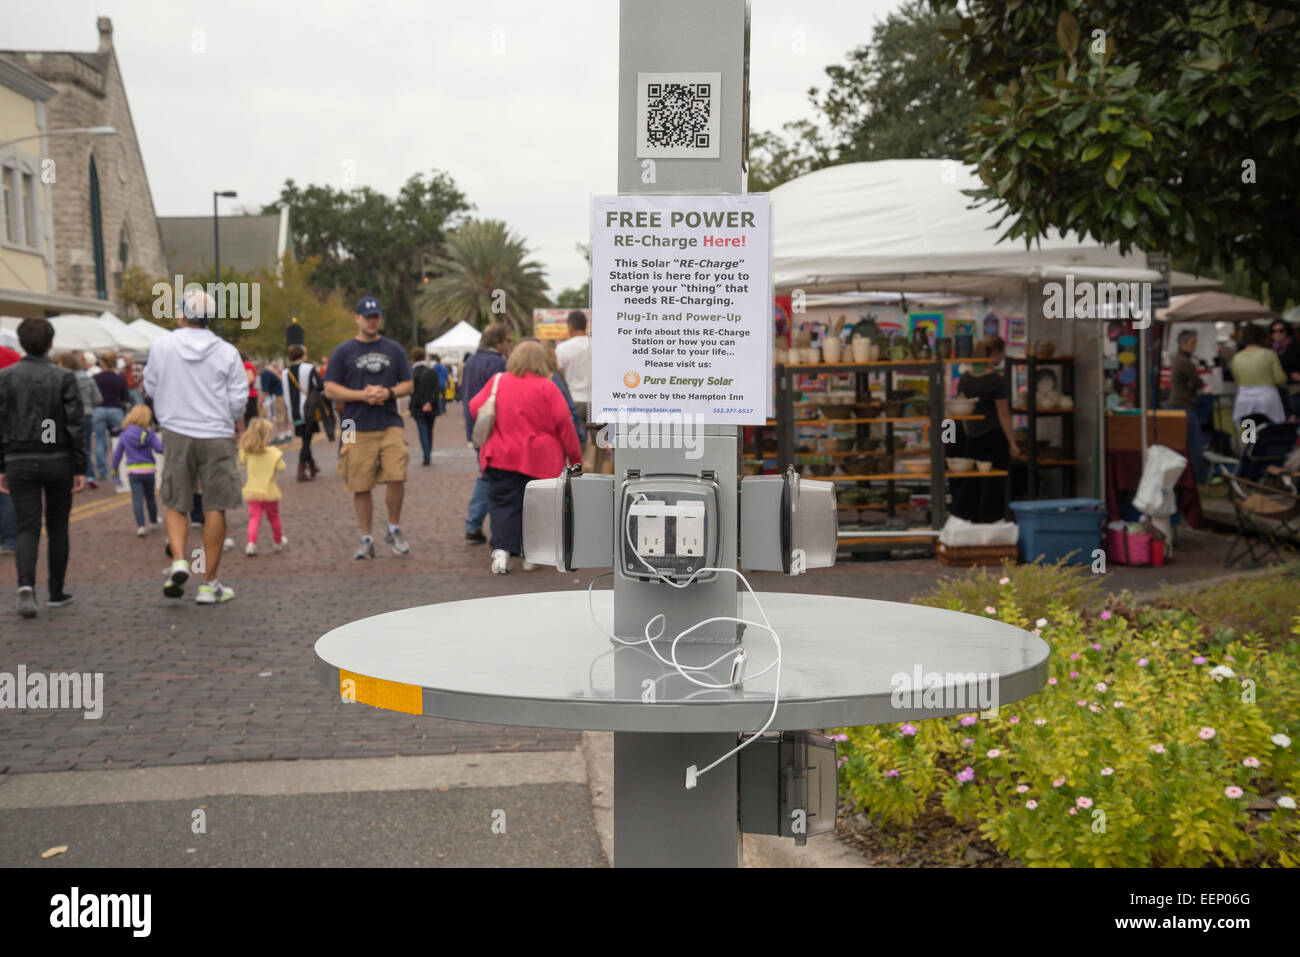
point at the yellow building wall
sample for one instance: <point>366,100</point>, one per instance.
<point>23,270</point>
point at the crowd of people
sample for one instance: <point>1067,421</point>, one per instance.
<point>69,421</point>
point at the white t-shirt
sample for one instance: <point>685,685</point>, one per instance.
<point>574,357</point>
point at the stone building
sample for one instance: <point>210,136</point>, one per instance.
<point>103,213</point>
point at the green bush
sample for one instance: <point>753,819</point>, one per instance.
<point>1141,750</point>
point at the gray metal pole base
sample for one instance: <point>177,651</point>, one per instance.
<point>657,822</point>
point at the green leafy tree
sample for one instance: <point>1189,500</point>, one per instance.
<point>366,242</point>
<point>579,298</point>
<point>484,277</point>
<point>891,99</point>
<point>1163,125</point>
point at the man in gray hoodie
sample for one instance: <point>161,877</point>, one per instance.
<point>199,392</point>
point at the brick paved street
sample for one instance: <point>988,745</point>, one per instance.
<point>185,684</point>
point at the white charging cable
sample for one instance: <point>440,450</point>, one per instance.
<point>692,774</point>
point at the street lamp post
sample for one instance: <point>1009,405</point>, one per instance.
<point>89,130</point>
<point>216,246</point>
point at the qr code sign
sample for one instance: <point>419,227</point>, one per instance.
<point>677,115</point>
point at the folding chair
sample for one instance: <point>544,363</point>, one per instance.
<point>1271,445</point>
<point>1257,506</point>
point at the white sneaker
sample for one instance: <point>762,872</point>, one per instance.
<point>213,593</point>
<point>250,549</point>
<point>228,544</point>
<point>141,532</point>
<point>282,544</point>
<point>500,562</point>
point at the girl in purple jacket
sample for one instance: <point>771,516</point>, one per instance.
<point>139,444</point>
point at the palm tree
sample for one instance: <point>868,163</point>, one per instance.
<point>484,278</point>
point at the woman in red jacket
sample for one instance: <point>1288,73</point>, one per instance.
<point>533,438</point>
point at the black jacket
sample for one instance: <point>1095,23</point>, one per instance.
<point>425,391</point>
<point>41,412</point>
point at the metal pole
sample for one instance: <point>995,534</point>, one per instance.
<point>1142,386</point>
<point>216,255</point>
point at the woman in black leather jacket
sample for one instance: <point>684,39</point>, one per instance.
<point>42,456</point>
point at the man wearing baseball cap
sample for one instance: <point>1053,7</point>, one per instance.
<point>368,374</point>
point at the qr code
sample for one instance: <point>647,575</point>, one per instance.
<point>678,114</point>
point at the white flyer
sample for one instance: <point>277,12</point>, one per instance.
<point>681,301</point>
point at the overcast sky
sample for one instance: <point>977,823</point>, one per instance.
<point>515,99</point>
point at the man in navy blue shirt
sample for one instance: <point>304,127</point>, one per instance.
<point>490,359</point>
<point>367,374</point>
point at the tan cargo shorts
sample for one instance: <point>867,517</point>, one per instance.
<point>373,458</point>
<point>190,465</point>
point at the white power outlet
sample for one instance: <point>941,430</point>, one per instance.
<point>690,527</point>
<point>650,527</point>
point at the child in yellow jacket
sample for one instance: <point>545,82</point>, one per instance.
<point>261,491</point>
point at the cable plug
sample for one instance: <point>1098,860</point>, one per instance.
<point>738,668</point>
<point>691,775</point>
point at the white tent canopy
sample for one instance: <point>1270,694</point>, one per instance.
<point>906,225</point>
<point>125,338</point>
<point>149,330</point>
<point>459,340</point>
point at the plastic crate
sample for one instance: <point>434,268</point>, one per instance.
<point>1051,529</point>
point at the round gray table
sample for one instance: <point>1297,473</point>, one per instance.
<point>538,660</point>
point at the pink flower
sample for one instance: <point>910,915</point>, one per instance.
<point>1094,709</point>
<point>1083,802</point>
<point>907,730</point>
<point>1037,632</point>
<point>1031,805</point>
<point>1004,580</point>
<point>1021,789</point>
<point>967,742</point>
<point>1206,734</point>
<point>1058,782</point>
<point>1158,749</point>
<point>1073,811</point>
<point>893,773</point>
<point>1074,674</point>
<point>968,719</point>
<point>1142,662</point>
<point>839,762</point>
<point>1014,719</point>
<point>838,737</point>
<point>1101,686</point>
<point>1040,721</point>
<point>1105,615</point>
<point>1107,772</point>
<point>990,610</point>
<point>1095,646</point>
<point>1233,791</point>
<point>1199,660</point>
<point>994,753</point>
<point>966,774</point>
<point>1081,702</point>
<point>1051,681</point>
<point>1250,762</point>
<point>1074,656</point>
<point>1229,658</point>
<point>1119,704</point>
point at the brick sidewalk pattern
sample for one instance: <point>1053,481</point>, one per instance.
<point>185,684</point>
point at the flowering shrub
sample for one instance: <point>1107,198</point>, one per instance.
<point>1146,748</point>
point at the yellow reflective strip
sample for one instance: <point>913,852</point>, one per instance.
<point>381,693</point>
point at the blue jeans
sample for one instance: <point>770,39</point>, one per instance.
<point>478,506</point>
<point>424,425</point>
<point>90,446</point>
<point>8,521</point>
<point>142,495</point>
<point>105,417</point>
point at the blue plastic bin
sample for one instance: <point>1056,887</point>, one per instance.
<point>1052,528</point>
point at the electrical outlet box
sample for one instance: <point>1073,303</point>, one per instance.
<point>789,785</point>
<point>668,527</point>
<point>787,524</point>
<point>568,521</point>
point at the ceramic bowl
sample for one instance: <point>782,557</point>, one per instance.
<point>957,464</point>
<point>982,465</point>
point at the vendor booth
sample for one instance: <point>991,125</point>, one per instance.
<point>893,252</point>
<point>454,344</point>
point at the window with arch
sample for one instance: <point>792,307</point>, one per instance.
<point>97,233</point>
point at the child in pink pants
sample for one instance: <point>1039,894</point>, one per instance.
<point>261,492</point>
